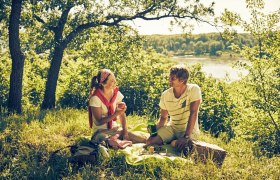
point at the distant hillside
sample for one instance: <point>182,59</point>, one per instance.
<point>212,44</point>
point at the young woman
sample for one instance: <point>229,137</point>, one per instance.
<point>105,107</point>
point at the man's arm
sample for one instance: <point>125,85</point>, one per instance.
<point>162,119</point>
<point>194,108</point>
<point>161,122</point>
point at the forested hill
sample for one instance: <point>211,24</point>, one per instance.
<point>213,44</point>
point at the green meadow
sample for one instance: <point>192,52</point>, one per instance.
<point>27,143</point>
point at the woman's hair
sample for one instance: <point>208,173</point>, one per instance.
<point>180,71</point>
<point>102,77</point>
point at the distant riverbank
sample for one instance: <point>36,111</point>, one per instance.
<point>218,67</point>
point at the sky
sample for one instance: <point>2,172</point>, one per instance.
<point>163,26</point>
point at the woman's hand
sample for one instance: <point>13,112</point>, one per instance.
<point>121,105</point>
<point>121,108</point>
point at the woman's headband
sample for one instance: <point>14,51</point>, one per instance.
<point>104,74</point>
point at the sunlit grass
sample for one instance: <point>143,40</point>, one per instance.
<point>27,143</point>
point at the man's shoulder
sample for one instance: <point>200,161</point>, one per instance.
<point>167,91</point>
<point>192,87</point>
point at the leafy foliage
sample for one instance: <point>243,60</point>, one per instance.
<point>35,74</point>
<point>140,75</point>
<point>5,63</point>
<point>260,89</point>
<point>4,10</point>
<point>217,111</point>
<point>4,79</point>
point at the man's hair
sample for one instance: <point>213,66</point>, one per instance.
<point>180,71</point>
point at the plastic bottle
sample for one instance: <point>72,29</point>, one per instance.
<point>152,129</point>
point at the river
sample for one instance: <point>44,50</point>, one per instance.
<point>215,67</point>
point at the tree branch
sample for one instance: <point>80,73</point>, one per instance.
<point>39,19</point>
<point>52,28</point>
<point>115,19</point>
<point>63,18</point>
<point>83,27</point>
<point>61,23</point>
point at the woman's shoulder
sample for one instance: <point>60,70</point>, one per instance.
<point>94,101</point>
<point>120,96</point>
<point>94,98</point>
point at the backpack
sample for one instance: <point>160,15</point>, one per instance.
<point>85,153</point>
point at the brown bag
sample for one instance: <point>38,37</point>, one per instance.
<point>202,151</point>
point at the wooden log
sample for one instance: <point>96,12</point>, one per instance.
<point>203,151</point>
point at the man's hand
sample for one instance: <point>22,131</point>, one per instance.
<point>182,143</point>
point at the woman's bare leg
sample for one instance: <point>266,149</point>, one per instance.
<point>138,137</point>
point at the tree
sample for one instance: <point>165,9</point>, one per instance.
<point>69,19</point>
<point>214,47</point>
<point>15,93</point>
<point>199,48</point>
<point>262,82</point>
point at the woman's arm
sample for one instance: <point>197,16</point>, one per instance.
<point>97,113</point>
<point>122,117</point>
<point>124,126</point>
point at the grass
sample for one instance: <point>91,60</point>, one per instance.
<point>27,141</point>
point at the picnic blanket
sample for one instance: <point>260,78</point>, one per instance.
<point>201,151</point>
<point>137,154</point>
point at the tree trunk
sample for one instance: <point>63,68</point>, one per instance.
<point>15,93</point>
<point>49,95</point>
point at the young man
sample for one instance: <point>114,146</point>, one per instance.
<point>181,102</point>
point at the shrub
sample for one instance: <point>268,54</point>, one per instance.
<point>5,65</point>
